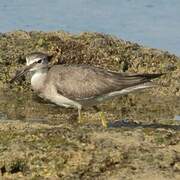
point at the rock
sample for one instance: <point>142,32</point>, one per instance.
<point>41,141</point>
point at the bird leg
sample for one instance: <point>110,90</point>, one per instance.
<point>103,119</point>
<point>102,116</point>
<point>79,116</point>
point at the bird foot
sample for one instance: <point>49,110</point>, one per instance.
<point>103,119</point>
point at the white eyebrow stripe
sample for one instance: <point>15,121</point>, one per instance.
<point>29,61</point>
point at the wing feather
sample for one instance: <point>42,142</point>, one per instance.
<point>83,81</point>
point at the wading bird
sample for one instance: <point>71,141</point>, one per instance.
<point>79,86</point>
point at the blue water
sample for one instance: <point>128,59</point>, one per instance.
<point>151,23</point>
<point>177,117</point>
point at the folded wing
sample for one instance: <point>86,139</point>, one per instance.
<point>81,81</point>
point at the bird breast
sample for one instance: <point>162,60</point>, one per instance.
<point>37,81</point>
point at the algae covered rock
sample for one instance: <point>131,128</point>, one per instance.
<point>43,141</point>
<point>89,48</point>
<point>37,151</point>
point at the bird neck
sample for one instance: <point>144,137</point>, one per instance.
<point>38,79</point>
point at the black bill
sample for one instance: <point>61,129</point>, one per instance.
<point>21,72</point>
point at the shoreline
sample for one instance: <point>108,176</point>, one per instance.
<point>40,141</point>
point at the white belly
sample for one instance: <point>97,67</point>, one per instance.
<point>53,96</point>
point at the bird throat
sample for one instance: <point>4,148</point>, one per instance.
<point>38,78</point>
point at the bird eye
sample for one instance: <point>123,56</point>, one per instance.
<point>39,61</point>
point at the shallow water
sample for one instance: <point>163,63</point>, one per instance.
<point>177,117</point>
<point>123,111</point>
<point>151,23</point>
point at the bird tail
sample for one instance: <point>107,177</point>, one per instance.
<point>136,79</point>
<point>132,82</point>
<point>141,81</point>
<point>149,76</point>
<point>131,89</point>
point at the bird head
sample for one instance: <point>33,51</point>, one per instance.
<point>34,62</point>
